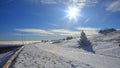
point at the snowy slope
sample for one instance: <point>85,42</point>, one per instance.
<point>107,44</point>
<point>34,57</point>
<point>66,54</point>
<point>94,60</point>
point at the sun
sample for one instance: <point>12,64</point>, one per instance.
<point>72,13</point>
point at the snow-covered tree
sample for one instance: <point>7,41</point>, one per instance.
<point>83,40</point>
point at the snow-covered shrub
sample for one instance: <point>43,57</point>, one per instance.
<point>69,37</point>
<point>105,31</point>
<point>57,41</point>
<point>44,41</point>
<point>83,40</point>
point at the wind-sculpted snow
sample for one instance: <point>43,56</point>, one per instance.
<point>46,55</point>
<point>107,44</point>
<point>66,54</point>
<point>33,57</point>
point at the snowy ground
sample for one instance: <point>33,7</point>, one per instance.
<point>39,58</point>
<point>66,54</point>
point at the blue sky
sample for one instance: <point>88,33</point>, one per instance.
<point>46,19</point>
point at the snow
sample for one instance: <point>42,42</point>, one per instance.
<point>44,59</point>
<point>107,44</point>
<point>65,54</point>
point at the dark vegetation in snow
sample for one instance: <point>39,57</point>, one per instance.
<point>84,40</point>
<point>57,41</point>
<point>105,31</point>
<point>69,37</point>
<point>84,43</point>
<point>7,49</point>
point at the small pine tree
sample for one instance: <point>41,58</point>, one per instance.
<point>83,40</point>
<point>42,40</point>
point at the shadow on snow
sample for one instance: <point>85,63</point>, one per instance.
<point>88,48</point>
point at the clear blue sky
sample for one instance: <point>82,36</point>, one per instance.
<point>46,19</point>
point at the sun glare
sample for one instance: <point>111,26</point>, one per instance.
<point>72,13</point>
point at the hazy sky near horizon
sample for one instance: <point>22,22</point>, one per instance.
<point>50,19</point>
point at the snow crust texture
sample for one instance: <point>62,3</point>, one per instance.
<point>66,54</point>
<point>30,58</point>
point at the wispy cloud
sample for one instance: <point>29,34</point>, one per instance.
<point>88,19</point>
<point>65,32</point>
<point>55,32</point>
<point>79,3</point>
<point>40,32</point>
<point>30,34</point>
<point>113,6</point>
<point>68,2</point>
<point>88,30</point>
<point>35,31</point>
<point>48,1</point>
<point>54,25</point>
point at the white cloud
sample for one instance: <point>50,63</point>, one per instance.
<point>114,6</point>
<point>48,1</point>
<point>54,25</point>
<point>88,30</point>
<point>65,32</point>
<point>68,2</point>
<point>35,31</point>
<point>88,19</point>
<point>40,32</point>
<point>56,32</point>
<point>79,3</point>
<point>30,34</point>
<point>91,32</point>
<point>60,31</point>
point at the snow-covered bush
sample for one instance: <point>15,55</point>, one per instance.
<point>83,40</point>
<point>57,41</point>
<point>105,31</point>
<point>69,37</point>
<point>44,41</point>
